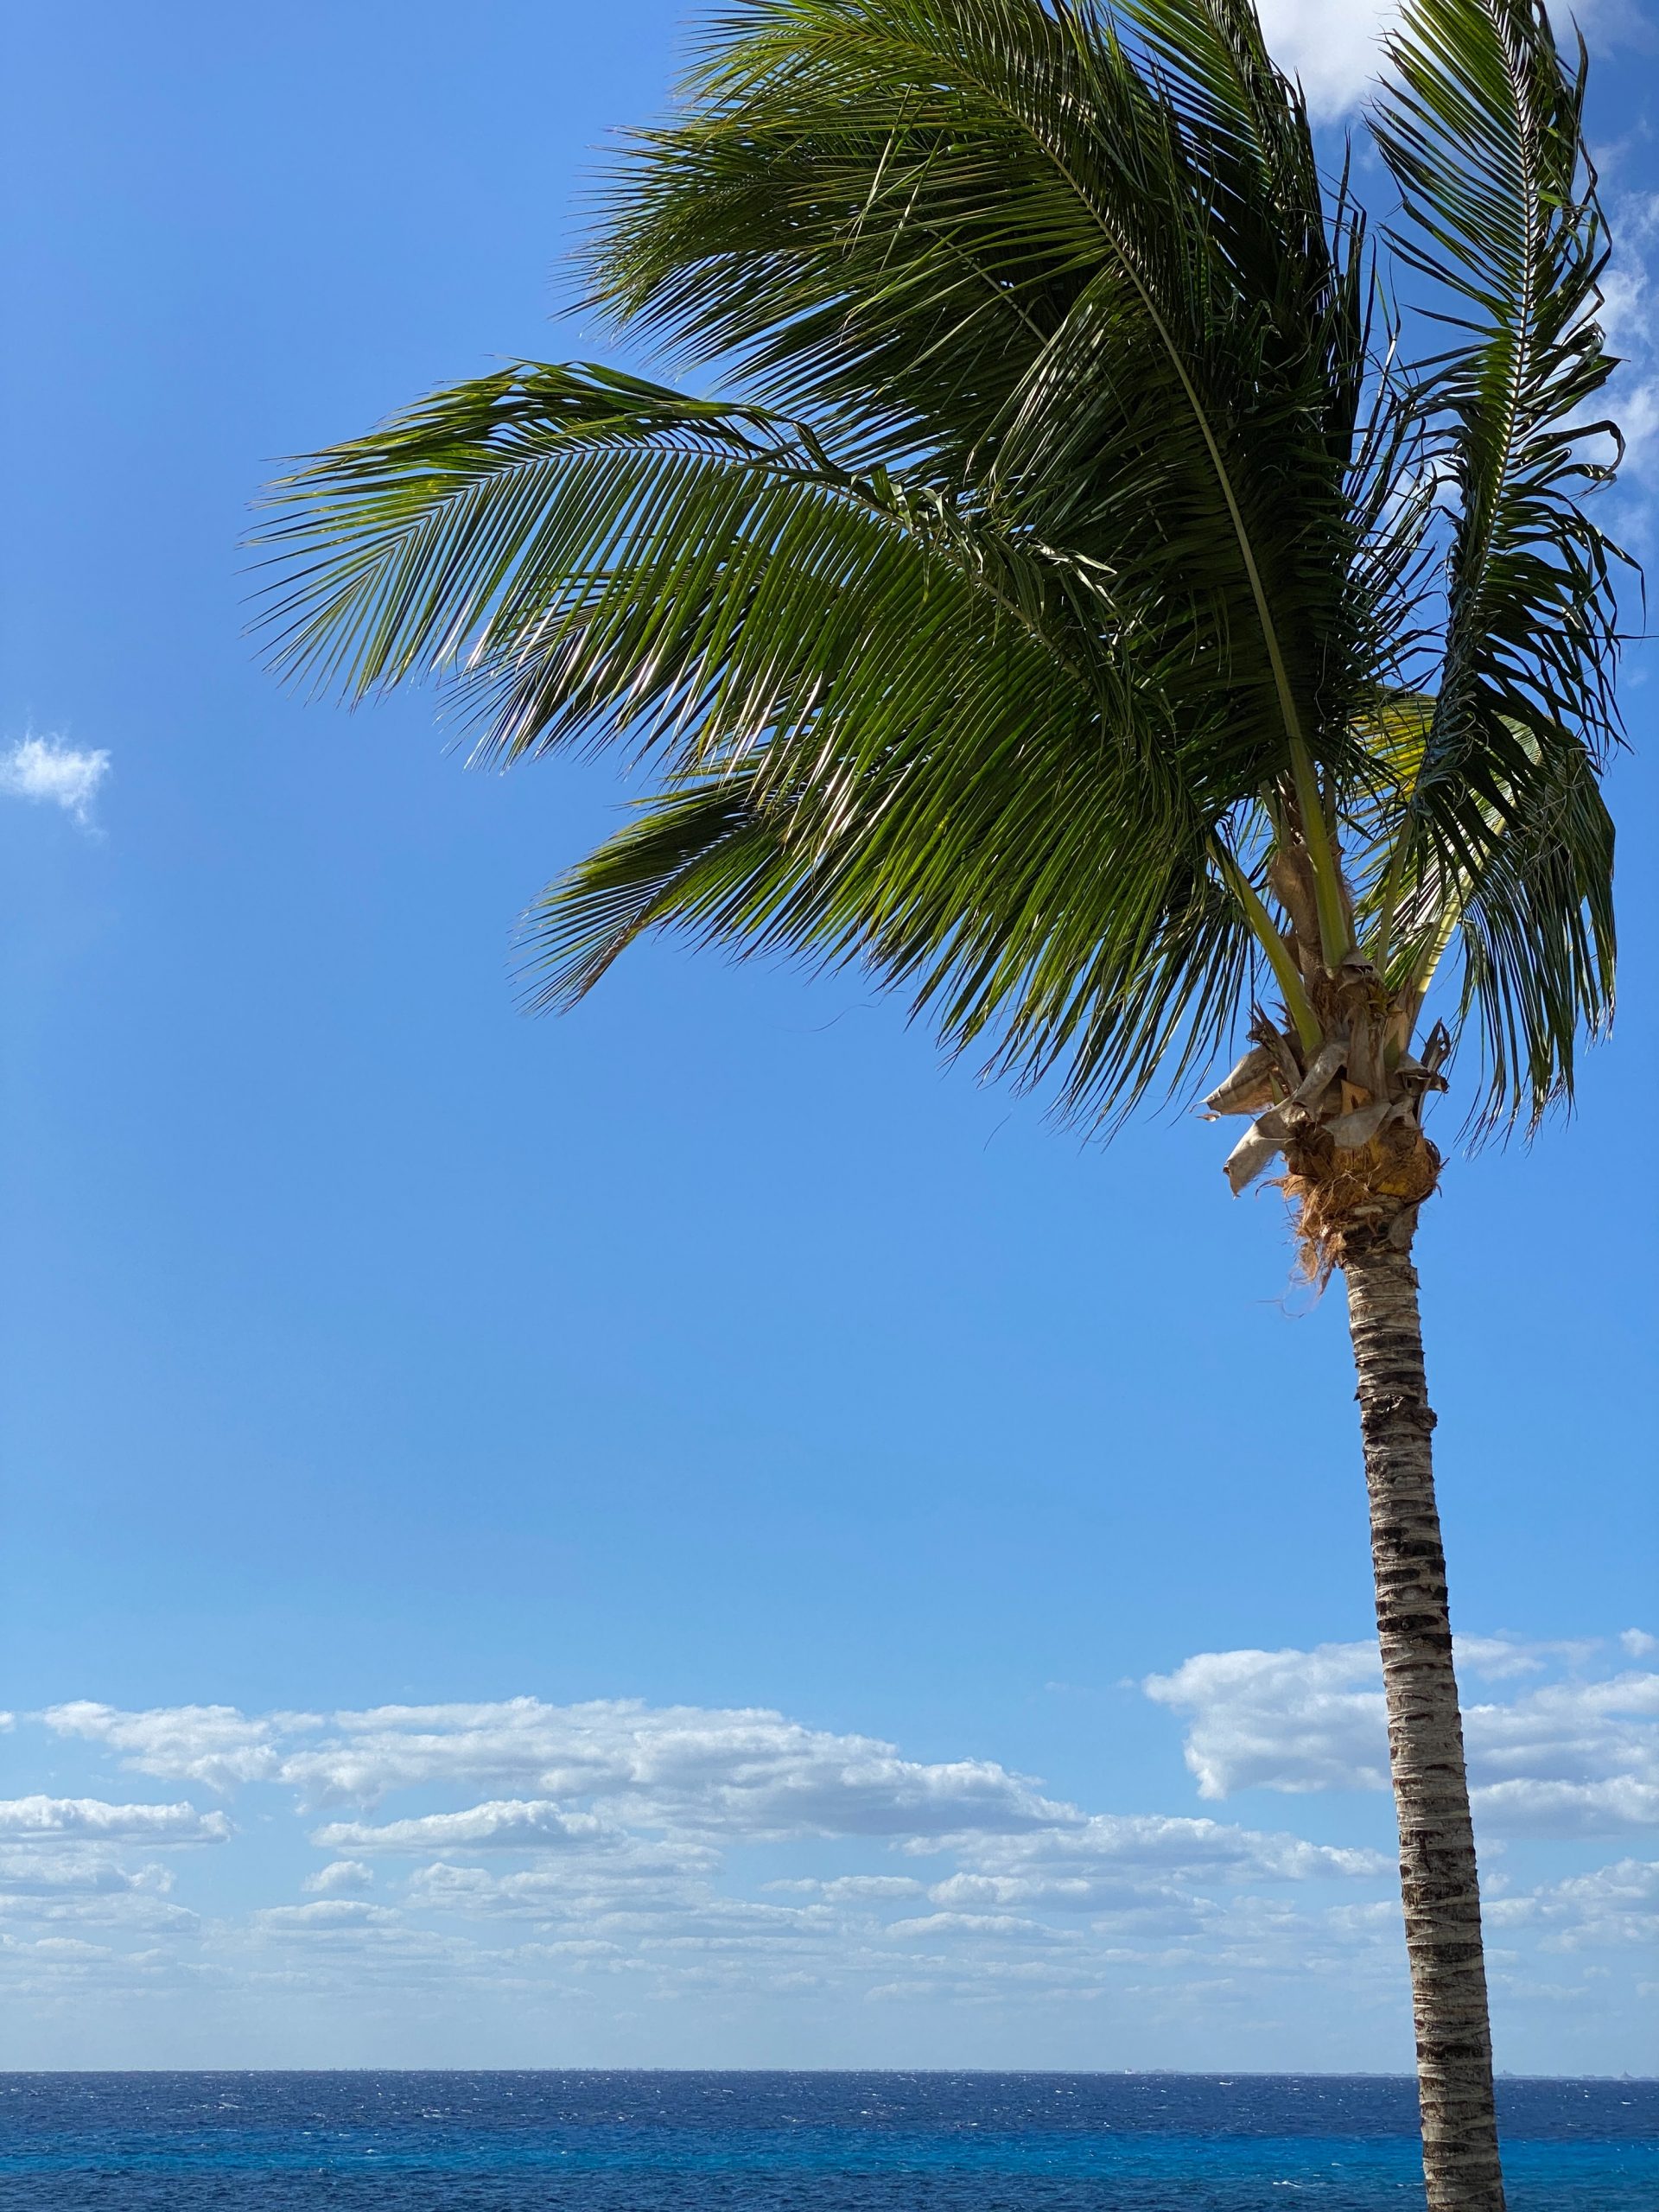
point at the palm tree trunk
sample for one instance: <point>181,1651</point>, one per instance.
<point>1438,1878</point>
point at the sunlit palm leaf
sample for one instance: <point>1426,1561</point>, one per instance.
<point>972,230</point>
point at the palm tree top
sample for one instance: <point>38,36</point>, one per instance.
<point>1099,602</point>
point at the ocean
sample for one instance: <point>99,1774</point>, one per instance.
<point>660,2142</point>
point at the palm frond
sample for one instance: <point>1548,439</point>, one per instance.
<point>1109,952</point>
<point>688,858</point>
<point>972,803</point>
<point>587,551</point>
<point>979,230</point>
<point>1483,130</point>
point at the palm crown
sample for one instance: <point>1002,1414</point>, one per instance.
<point>1091,600</point>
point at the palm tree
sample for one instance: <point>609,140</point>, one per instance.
<point>1091,611</point>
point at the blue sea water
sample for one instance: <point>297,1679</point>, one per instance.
<point>653,2142</point>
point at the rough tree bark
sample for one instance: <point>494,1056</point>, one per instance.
<point>1438,1877</point>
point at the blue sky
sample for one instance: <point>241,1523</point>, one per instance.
<point>736,1544</point>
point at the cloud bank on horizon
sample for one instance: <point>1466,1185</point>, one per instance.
<point>551,1867</point>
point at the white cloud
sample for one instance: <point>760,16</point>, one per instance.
<point>61,1873</point>
<point>1002,1927</point>
<point>651,1880</point>
<point>210,1744</point>
<point>1615,1907</point>
<point>1135,1873</point>
<point>91,1819</point>
<point>47,769</point>
<point>868,1889</point>
<point>328,1916</point>
<point>1112,1845</point>
<point>1290,1720</point>
<point>1574,1732</point>
<point>748,1772</point>
<point>93,1894</point>
<point>1630,317</point>
<point>344,1877</point>
<point>1330,45</point>
<point>1578,1756</point>
<point>512,1825</point>
<point>1567,1809</point>
<point>742,1772</point>
<point>1333,46</point>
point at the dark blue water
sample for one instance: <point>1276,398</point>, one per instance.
<point>788,2143</point>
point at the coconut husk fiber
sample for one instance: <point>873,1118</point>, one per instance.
<point>1342,1200</point>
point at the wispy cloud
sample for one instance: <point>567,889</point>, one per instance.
<point>46,770</point>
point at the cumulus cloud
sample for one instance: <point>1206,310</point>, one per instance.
<point>55,775</point>
<point>343,1877</point>
<point>867,1889</point>
<point>1290,1720</point>
<point>741,1773</point>
<point>649,1879</point>
<point>1573,1756</point>
<point>1002,1927</point>
<point>510,1824</point>
<point>1615,1907</point>
<point>1333,45</point>
<point>328,1916</point>
<point>79,1873</point>
<point>93,1894</point>
<point>210,1744</point>
<point>746,1771</point>
<point>1330,45</point>
<point>91,1819</point>
<point>1100,1852</point>
<point>1578,1732</point>
<point>1567,1809</point>
<point>1630,316</point>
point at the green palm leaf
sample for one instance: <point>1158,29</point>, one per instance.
<point>1501,832</point>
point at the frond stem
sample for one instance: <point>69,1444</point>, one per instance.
<point>1333,927</point>
<point>1334,936</point>
<point>1285,973</point>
